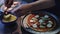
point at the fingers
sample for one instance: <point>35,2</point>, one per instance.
<point>5,8</point>
<point>12,6</point>
<point>15,4</point>
<point>9,9</point>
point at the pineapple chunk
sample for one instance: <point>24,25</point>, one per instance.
<point>31,20</point>
<point>37,16</point>
<point>49,25</point>
<point>46,16</point>
<point>41,26</point>
<point>34,18</point>
<point>50,22</point>
<point>34,25</point>
<point>41,21</point>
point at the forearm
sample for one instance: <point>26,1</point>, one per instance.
<point>41,4</point>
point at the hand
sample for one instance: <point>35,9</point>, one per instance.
<point>14,9</point>
<point>12,6</point>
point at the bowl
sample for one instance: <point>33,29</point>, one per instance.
<point>10,21</point>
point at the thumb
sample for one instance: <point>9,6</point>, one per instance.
<point>4,8</point>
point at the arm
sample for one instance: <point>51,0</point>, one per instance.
<point>40,4</point>
<point>37,5</point>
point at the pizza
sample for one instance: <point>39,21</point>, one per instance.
<point>40,22</point>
